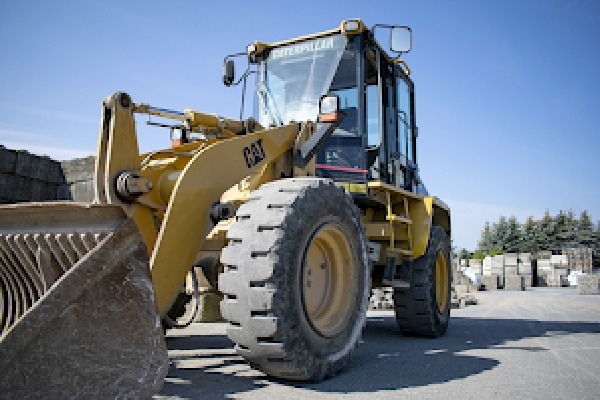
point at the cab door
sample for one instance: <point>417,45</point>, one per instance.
<point>405,128</point>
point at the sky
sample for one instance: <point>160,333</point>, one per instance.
<point>507,92</point>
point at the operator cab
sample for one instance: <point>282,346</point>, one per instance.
<point>376,141</point>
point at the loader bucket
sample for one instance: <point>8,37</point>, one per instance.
<point>78,314</point>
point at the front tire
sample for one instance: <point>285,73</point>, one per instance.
<point>296,279</point>
<point>424,308</point>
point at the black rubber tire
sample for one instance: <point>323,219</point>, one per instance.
<point>417,313</point>
<point>261,280</point>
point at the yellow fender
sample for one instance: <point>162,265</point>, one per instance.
<point>424,212</point>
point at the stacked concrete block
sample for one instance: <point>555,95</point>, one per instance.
<point>580,259</point>
<point>498,269</point>
<point>486,266</point>
<point>27,177</point>
<point>589,284</point>
<point>559,270</point>
<point>79,179</point>
<point>514,283</point>
<point>524,269</point>
<point>511,264</point>
<point>527,280</point>
<point>544,271</point>
<point>382,299</point>
<point>489,282</point>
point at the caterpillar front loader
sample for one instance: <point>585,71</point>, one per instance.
<point>293,216</point>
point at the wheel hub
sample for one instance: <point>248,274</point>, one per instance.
<point>441,282</point>
<point>329,280</point>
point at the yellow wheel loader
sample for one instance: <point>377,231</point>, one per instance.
<point>293,216</point>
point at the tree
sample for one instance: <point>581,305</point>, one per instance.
<point>531,230</point>
<point>478,254</point>
<point>513,242</point>
<point>486,242</point>
<point>550,233</point>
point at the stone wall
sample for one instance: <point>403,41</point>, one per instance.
<point>26,177</point>
<point>79,179</point>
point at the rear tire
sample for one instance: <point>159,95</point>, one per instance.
<point>424,308</point>
<point>296,279</point>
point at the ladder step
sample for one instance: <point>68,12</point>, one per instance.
<point>399,219</point>
<point>401,251</point>
<point>397,283</point>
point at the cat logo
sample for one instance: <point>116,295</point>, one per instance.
<point>254,153</point>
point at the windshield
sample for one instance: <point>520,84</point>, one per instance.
<point>294,77</point>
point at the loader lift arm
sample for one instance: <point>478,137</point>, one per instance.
<point>190,194</point>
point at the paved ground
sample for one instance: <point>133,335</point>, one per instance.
<point>540,344</point>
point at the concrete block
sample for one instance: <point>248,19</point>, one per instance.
<point>527,280</point>
<point>589,284</point>
<point>561,271</point>
<point>511,259</point>
<point>524,269</point>
<point>8,160</point>
<point>514,283</point>
<point>498,261</point>
<point>541,281</point>
<point>556,281</point>
<point>560,259</point>
<point>510,270</point>
<point>78,169</point>
<point>63,192</point>
<point>26,164</point>
<point>525,258</point>
<point>487,263</point>
<point>461,289</point>
<point>37,190</point>
<point>490,282</point>
<point>82,191</point>
<point>544,265</point>
<point>15,188</point>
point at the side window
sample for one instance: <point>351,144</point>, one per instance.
<point>404,122</point>
<point>372,99</point>
<point>373,138</point>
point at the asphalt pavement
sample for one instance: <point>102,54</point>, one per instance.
<point>543,343</point>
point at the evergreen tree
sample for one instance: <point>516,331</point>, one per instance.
<point>550,233</point>
<point>513,242</point>
<point>531,236</point>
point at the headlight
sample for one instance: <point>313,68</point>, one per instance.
<point>251,48</point>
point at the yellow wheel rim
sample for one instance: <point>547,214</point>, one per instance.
<point>329,276</point>
<point>441,281</point>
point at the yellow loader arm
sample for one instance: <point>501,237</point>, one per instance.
<point>181,196</point>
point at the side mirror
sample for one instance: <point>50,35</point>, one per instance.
<point>400,39</point>
<point>228,72</point>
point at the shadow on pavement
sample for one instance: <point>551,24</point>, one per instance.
<point>385,361</point>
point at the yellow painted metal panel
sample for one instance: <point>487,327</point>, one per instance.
<point>421,216</point>
<point>208,175</point>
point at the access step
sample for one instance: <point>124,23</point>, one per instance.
<point>397,283</point>
<point>399,219</point>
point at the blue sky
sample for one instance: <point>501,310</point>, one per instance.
<point>507,91</point>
